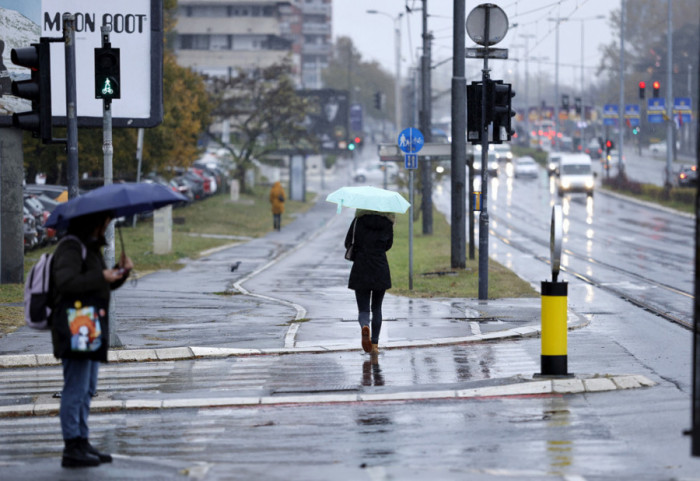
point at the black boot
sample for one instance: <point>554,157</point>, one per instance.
<point>74,456</point>
<point>90,449</point>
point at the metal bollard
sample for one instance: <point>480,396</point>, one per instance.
<point>553,361</point>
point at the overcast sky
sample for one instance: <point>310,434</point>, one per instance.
<point>373,34</point>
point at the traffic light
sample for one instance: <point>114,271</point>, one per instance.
<point>378,100</point>
<point>565,102</point>
<point>657,86</point>
<point>107,73</point>
<point>609,145</point>
<point>636,130</point>
<point>37,89</point>
<point>577,105</point>
<point>351,146</point>
<point>642,86</point>
<point>502,112</point>
<point>474,113</point>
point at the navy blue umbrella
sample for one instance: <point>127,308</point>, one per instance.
<point>123,199</point>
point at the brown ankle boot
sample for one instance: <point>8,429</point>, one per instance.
<point>366,341</point>
<point>375,349</point>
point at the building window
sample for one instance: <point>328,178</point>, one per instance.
<point>194,42</point>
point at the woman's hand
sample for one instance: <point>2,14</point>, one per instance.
<point>112,275</point>
<point>125,263</point>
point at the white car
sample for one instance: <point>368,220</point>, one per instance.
<point>373,174</point>
<point>525,167</point>
<point>492,164</point>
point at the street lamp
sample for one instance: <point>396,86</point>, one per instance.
<point>397,51</point>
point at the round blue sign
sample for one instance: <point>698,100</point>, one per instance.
<point>411,140</point>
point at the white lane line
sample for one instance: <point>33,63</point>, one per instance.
<point>475,327</point>
<point>290,336</point>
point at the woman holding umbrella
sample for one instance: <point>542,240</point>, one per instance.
<point>371,234</point>
<point>78,271</point>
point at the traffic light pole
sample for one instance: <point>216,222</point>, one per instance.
<point>108,152</point>
<point>484,215</point>
<point>71,105</point>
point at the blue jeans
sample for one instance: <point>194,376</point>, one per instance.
<point>79,385</point>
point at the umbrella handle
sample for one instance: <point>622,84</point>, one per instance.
<point>121,239</point>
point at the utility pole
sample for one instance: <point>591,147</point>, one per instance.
<point>670,144</point>
<point>425,125</point>
<point>459,148</point>
<point>621,111</point>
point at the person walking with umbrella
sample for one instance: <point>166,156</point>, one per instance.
<point>80,278</point>
<point>371,234</point>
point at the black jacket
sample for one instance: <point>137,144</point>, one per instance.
<point>71,277</point>
<point>374,236</point>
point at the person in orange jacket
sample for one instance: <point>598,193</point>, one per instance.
<point>277,198</point>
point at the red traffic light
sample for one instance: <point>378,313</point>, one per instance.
<point>642,85</point>
<point>358,140</point>
<point>656,85</point>
<point>608,144</point>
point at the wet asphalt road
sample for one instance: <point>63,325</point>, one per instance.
<point>633,434</point>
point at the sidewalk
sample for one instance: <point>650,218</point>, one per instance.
<point>207,312</point>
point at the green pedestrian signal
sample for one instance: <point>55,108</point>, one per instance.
<point>107,73</point>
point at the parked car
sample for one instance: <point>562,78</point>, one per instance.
<point>56,192</point>
<point>688,176</point>
<point>31,236</point>
<point>36,209</point>
<point>206,180</point>
<point>196,184</point>
<point>525,167</point>
<point>180,185</point>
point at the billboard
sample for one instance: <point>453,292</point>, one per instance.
<point>137,30</point>
<point>328,117</point>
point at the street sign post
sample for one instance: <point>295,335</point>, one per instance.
<point>410,141</point>
<point>487,24</point>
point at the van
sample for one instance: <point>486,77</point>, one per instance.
<point>574,174</point>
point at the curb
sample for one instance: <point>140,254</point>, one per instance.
<point>197,352</point>
<point>524,387</point>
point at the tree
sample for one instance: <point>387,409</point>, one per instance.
<point>264,112</point>
<point>347,71</point>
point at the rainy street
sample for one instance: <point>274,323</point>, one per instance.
<point>404,428</point>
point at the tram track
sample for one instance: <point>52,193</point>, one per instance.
<point>634,300</point>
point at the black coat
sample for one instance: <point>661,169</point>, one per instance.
<point>72,276</point>
<point>374,235</point>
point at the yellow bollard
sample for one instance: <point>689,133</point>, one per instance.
<point>554,329</point>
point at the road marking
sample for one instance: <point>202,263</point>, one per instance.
<point>290,336</point>
<point>475,327</point>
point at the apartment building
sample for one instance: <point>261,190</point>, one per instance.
<point>222,37</point>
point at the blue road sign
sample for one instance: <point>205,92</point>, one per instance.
<point>611,113</point>
<point>356,118</point>
<point>682,108</point>
<point>656,107</point>
<point>632,115</point>
<point>411,161</point>
<point>411,140</point>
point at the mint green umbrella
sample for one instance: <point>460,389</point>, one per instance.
<point>369,198</point>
